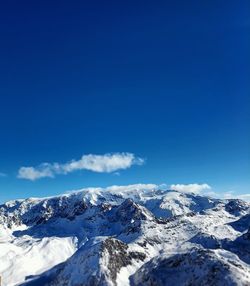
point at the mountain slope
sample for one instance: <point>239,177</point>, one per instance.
<point>197,267</point>
<point>120,236</point>
<point>95,263</point>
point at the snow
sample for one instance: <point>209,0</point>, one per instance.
<point>25,257</point>
<point>68,234</point>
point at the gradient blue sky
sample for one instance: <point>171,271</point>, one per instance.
<point>165,80</point>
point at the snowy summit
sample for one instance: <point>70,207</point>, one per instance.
<point>134,235</point>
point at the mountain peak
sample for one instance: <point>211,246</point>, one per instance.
<point>124,237</point>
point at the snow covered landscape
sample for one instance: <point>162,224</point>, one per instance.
<point>125,143</point>
<point>134,235</point>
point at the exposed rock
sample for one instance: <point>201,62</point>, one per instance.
<point>94,237</point>
<point>198,267</point>
<point>208,241</point>
<point>237,207</point>
<point>91,265</point>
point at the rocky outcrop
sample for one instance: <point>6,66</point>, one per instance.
<point>197,267</point>
<point>95,264</point>
<point>148,238</point>
<point>237,207</point>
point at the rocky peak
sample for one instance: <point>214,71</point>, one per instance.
<point>237,207</point>
<point>130,211</point>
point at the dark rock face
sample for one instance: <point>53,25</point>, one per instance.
<point>26,213</point>
<point>240,246</point>
<point>111,253</point>
<point>105,207</point>
<point>12,221</point>
<point>207,241</point>
<point>198,267</point>
<point>129,210</point>
<point>103,231</point>
<point>246,236</point>
<point>130,216</point>
<point>236,207</point>
<point>119,256</point>
<point>241,224</point>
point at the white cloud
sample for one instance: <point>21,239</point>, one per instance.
<point>106,163</point>
<point>190,188</point>
<point>245,197</point>
<point>102,163</point>
<point>129,190</point>
<point>135,187</point>
<point>233,195</point>
<point>203,189</point>
<point>32,174</point>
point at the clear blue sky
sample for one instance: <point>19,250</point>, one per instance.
<point>165,80</point>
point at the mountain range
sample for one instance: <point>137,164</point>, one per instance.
<point>125,236</point>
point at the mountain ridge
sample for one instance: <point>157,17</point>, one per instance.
<point>145,227</point>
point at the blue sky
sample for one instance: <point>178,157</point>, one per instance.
<point>167,81</point>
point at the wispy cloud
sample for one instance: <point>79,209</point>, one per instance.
<point>3,174</point>
<point>245,197</point>
<point>205,189</point>
<point>202,189</point>
<point>134,187</point>
<point>190,188</point>
<point>117,189</point>
<point>106,163</point>
<point>234,195</point>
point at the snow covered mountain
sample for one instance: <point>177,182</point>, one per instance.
<point>125,236</point>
